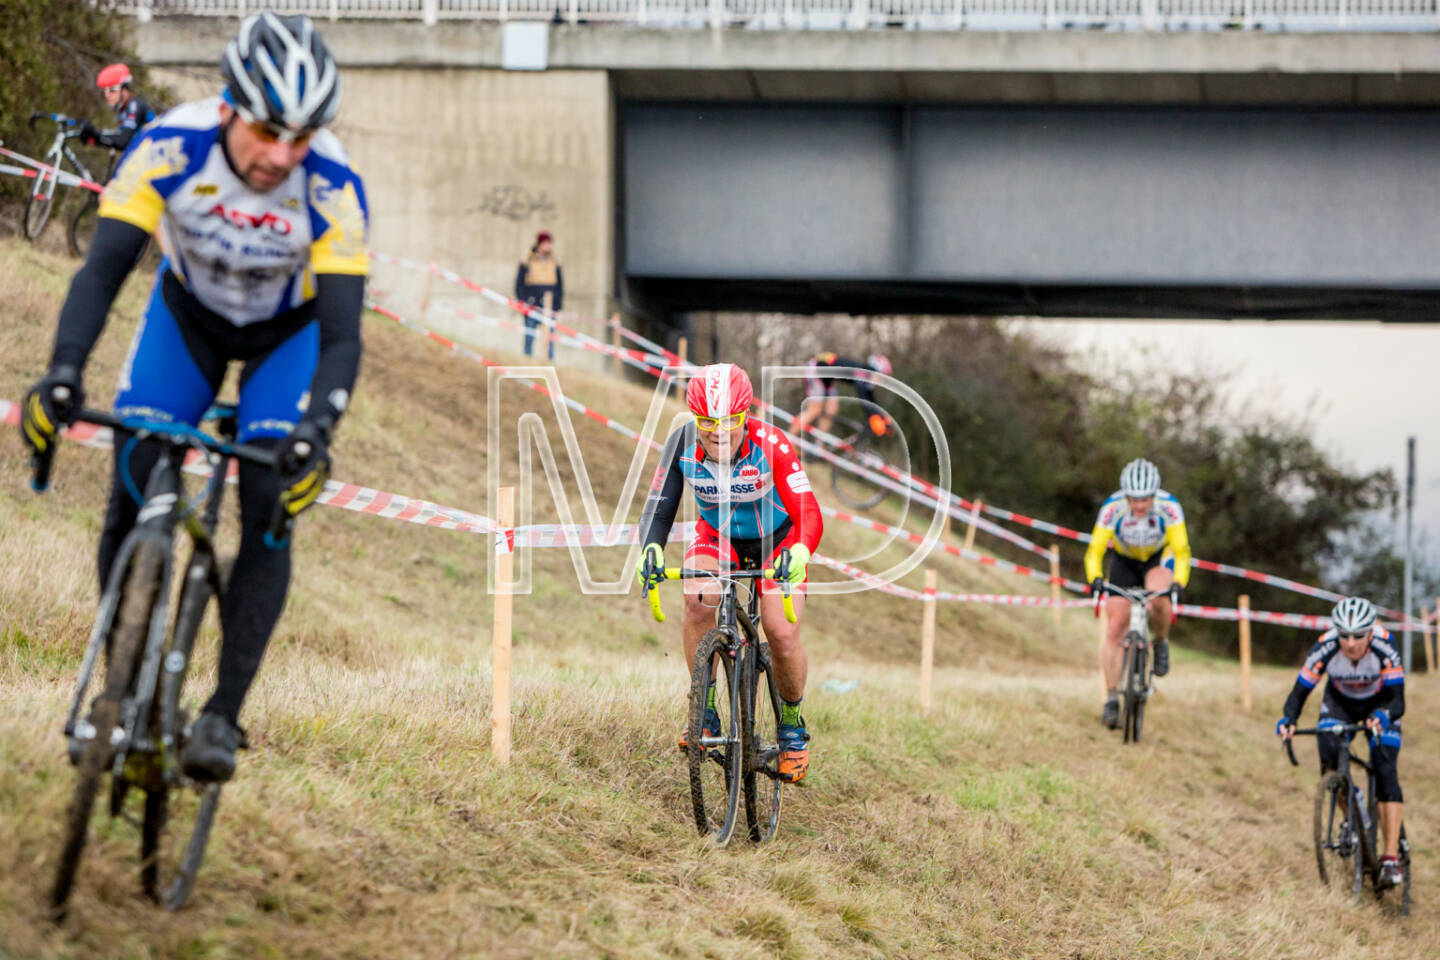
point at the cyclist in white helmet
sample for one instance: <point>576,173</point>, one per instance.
<point>1146,526</point>
<point>264,225</point>
<point>1367,685</point>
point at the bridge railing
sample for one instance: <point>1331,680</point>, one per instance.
<point>1152,15</point>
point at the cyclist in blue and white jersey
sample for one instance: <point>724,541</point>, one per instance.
<point>264,225</point>
<point>1367,685</point>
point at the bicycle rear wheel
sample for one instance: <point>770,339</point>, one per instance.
<point>1405,870</point>
<point>715,760</point>
<point>761,723</point>
<point>170,721</point>
<point>82,226</point>
<point>1333,843</point>
<point>1134,701</point>
<point>127,640</point>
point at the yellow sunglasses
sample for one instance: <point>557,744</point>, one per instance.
<point>711,424</point>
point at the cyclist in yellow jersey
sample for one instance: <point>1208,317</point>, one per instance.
<point>1146,526</point>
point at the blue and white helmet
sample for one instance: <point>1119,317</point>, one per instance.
<point>1353,615</point>
<point>277,70</point>
<point>1140,479</point>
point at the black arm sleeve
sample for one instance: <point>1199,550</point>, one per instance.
<point>664,501</point>
<point>117,139</point>
<point>339,300</point>
<point>559,298</point>
<point>1296,701</point>
<point>1392,700</point>
<point>113,254</point>
<point>522,291</point>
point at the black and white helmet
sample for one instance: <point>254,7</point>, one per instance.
<point>1353,615</point>
<point>278,71</point>
<point>1140,479</point>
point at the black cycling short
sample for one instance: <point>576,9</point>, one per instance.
<point>1128,572</point>
<point>1333,746</point>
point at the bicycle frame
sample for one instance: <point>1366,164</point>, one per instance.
<point>163,508</point>
<point>60,150</point>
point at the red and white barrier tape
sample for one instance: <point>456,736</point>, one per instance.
<point>62,177</point>
<point>901,482</point>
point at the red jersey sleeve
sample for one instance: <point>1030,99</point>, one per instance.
<point>792,484</point>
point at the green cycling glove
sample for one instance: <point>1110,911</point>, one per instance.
<point>653,556</point>
<point>799,557</point>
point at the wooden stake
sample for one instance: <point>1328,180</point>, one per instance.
<point>970,529</point>
<point>1425,639</point>
<point>545,328</point>
<point>683,349</point>
<point>1245,651</point>
<point>927,643</point>
<point>615,364</point>
<point>500,653</point>
<point>1055,587</point>
<point>425,298</point>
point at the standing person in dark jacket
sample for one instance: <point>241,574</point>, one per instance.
<point>538,275</point>
<point>131,112</point>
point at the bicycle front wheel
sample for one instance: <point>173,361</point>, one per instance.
<point>761,723</point>
<point>127,641</point>
<point>855,490</point>
<point>1134,702</point>
<point>1333,843</point>
<point>714,755</point>
<point>170,887</point>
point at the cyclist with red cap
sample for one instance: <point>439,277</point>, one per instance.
<point>822,401</point>
<point>131,111</point>
<point>756,511</point>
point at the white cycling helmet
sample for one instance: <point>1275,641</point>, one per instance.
<point>879,362</point>
<point>277,70</point>
<point>1353,615</point>
<point>1140,479</point>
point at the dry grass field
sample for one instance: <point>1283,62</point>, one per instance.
<point>369,819</point>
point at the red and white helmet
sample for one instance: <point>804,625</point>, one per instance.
<point>719,390</point>
<point>880,363</point>
<point>115,75</point>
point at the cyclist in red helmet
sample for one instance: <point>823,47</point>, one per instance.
<point>822,401</point>
<point>131,111</point>
<point>756,511</point>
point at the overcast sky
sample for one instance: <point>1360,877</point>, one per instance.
<point>1364,386</point>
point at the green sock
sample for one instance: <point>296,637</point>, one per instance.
<point>710,698</point>
<point>790,712</point>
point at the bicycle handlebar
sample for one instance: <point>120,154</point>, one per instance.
<point>59,118</point>
<point>689,573</point>
<point>177,435</point>
<point>1138,595</point>
<point>1335,728</point>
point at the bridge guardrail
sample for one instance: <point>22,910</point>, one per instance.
<point>979,15</point>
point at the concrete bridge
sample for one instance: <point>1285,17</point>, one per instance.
<point>1237,173</point>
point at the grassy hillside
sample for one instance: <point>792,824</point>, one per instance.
<point>369,819</point>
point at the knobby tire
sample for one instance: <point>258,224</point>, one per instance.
<point>715,799</point>
<point>760,721</point>
<point>127,641</point>
<point>166,715</point>
<point>1328,818</point>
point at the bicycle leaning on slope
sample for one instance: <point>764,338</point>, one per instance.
<point>41,201</point>
<point>742,757</point>
<point>1136,676</point>
<point>1347,822</point>
<point>136,726</point>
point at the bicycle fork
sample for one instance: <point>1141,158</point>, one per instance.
<point>155,524</point>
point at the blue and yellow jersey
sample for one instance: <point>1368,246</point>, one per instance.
<point>1140,538</point>
<point>248,256</point>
